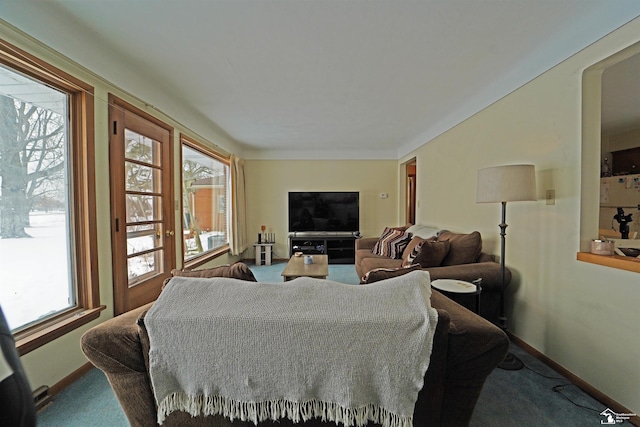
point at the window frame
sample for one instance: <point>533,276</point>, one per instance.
<point>83,201</point>
<point>210,152</point>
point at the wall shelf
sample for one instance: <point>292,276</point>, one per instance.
<point>614,261</point>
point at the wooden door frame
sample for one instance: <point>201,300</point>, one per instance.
<point>117,108</point>
<point>410,179</point>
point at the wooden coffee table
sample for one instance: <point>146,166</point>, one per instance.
<point>297,268</point>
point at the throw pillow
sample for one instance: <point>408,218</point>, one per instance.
<point>464,248</point>
<point>378,274</point>
<point>428,253</point>
<point>402,228</point>
<point>415,241</point>
<point>391,243</point>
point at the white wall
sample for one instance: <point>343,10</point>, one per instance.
<point>583,316</point>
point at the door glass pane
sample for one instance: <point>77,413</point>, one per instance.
<point>141,266</point>
<point>142,238</point>
<point>143,208</point>
<point>141,155</point>
<point>141,148</point>
<point>142,178</point>
<point>34,201</point>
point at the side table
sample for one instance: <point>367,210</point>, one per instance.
<point>263,253</point>
<point>460,287</point>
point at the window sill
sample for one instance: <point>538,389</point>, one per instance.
<point>206,257</point>
<point>32,339</point>
<point>613,261</point>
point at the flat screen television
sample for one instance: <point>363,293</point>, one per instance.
<point>319,211</point>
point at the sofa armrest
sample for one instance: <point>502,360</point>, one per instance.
<point>366,243</point>
<point>428,409</point>
<point>115,347</point>
<point>475,348</point>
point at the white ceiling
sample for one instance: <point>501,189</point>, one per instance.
<point>320,78</point>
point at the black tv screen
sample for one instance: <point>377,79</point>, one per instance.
<point>324,211</point>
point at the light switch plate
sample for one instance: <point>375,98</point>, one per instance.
<point>551,197</point>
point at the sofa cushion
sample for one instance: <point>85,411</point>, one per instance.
<point>464,248</point>
<point>368,264</point>
<point>378,274</point>
<point>366,253</point>
<point>426,252</point>
<point>239,270</point>
<point>391,243</point>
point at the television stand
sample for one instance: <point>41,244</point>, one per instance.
<point>339,247</point>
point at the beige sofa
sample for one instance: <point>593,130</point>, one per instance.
<point>463,260</point>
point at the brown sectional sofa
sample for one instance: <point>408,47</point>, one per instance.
<point>464,260</point>
<point>466,349</point>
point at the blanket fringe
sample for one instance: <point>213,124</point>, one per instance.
<point>278,409</point>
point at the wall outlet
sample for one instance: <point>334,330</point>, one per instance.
<point>551,197</point>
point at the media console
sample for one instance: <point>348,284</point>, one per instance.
<point>339,247</point>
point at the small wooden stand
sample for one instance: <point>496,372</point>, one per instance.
<point>263,253</point>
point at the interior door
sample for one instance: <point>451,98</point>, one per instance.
<point>411,193</point>
<point>142,225</point>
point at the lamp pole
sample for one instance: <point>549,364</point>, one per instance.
<point>503,227</point>
<point>508,183</point>
<point>511,362</point>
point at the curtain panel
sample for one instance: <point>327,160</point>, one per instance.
<point>238,242</point>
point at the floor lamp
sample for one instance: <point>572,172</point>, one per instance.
<point>502,184</point>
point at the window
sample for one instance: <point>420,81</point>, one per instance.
<point>205,201</point>
<point>47,214</point>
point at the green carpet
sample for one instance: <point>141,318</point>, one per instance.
<point>535,396</point>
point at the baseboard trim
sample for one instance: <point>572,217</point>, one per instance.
<point>579,382</point>
<point>70,379</point>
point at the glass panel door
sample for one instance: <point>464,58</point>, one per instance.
<point>142,202</point>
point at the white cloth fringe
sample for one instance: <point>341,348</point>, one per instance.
<point>278,409</point>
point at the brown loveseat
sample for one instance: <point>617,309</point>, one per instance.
<point>450,256</point>
<point>466,349</point>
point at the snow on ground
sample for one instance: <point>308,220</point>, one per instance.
<point>35,275</point>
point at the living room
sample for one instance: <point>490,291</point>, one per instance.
<point>560,306</point>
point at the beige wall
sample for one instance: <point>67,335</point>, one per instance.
<point>51,363</point>
<point>269,181</point>
<point>583,316</point>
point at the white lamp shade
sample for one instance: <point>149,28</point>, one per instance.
<point>506,184</point>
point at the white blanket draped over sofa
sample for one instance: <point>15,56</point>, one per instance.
<point>301,349</point>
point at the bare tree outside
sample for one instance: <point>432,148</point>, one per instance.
<point>201,173</point>
<point>34,200</point>
<point>32,163</point>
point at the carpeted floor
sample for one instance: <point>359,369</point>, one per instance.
<point>534,396</point>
